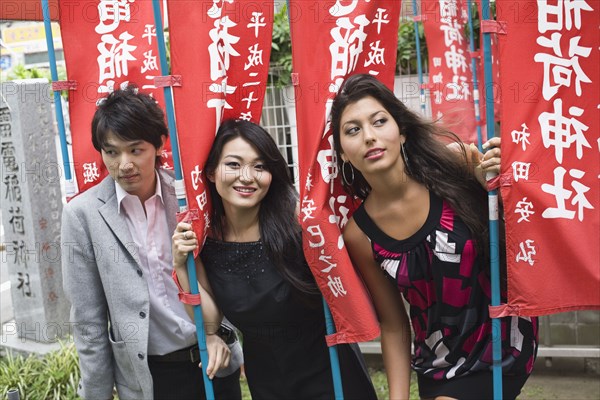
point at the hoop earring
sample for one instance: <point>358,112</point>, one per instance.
<point>344,179</point>
<point>405,157</point>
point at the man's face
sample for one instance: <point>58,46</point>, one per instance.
<point>131,164</point>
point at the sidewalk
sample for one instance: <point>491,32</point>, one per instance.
<point>566,378</point>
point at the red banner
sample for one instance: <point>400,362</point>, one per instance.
<point>221,49</point>
<point>495,73</point>
<point>551,154</point>
<point>346,38</point>
<point>27,10</point>
<point>107,44</point>
<point>450,73</point>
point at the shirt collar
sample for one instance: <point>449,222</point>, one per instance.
<point>122,194</point>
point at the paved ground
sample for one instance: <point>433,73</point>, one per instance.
<point>562,379</point>
<point>566,378</point>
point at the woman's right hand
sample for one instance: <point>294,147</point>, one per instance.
<point>183,241</point>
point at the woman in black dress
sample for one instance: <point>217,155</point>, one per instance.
<point>257,273</point>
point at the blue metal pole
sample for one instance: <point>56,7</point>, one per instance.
<point>60,122</point>
<point>493,205</point>
<point>333,355</point>
<point>419,67</point>
<point>475,80</point>
<point>181,197</point>
<point>330,329</point>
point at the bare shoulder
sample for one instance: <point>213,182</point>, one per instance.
<point>358,246</point>
<point>354,236</point>
<point>384,295</point>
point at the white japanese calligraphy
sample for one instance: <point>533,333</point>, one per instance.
<point>348,39</point>
<point>381,18</point>
<point>327,160</point>
<point>551,16</point>
<point>113,12</point>
<point>520,170</point>
<point>339,10</point>
<point>336,286</point>
<point>561,195</point>
<point>326,259</point>
<point>257,21</point>
<point>149,62</point>
<point>149,32</point>
<point>114,55</point>
<point>201,200</point>
<point>221,48</point>
<point>308,207</point>
<point>558,71</point>
<point>315,231</point>
<point>557,130</point>
<point>527,252</point>
<point>456,60</point>
<point>525,209</point>
<point>196,177</point>
<point>254,58</point>
<point>521,136</point>
<point>90,172</point>
<point>452,33</point>
<point>376,55</point>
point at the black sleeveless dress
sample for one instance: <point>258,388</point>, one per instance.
<point>285,355</point>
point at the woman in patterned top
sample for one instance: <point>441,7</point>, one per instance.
<point>422,232</point>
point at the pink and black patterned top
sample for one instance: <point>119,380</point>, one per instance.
<point>447,286</point>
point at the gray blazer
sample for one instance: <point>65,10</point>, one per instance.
<point>108,292</point>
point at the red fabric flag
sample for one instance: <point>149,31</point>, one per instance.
<point>450,74</point>
<point>221,49</point>
<point>27,10</point>
<point>346,38</point>
<point>495,73</point>
<point>551,155</point>
<point>107,45</point>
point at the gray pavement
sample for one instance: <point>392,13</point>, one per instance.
<point>565,378</point>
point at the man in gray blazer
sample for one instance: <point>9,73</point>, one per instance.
<point>130,329</point>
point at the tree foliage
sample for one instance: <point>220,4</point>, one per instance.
<point>281,48</point>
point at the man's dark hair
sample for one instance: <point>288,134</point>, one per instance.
<point>129,115</point>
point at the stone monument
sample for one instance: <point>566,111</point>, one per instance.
<point>31,211</point>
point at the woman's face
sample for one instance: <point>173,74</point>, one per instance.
<point>241,177</point>
<point>369,137</point>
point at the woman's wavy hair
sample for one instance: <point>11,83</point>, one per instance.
<point>280,230</point>
<point>431,162</point>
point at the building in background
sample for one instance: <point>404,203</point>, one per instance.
<point>24,43</point>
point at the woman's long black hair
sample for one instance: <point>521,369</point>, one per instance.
<point>280,231</point>
<point>431,162</point>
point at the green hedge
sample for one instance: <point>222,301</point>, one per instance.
<point>54,376</point>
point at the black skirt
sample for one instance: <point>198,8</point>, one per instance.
<point>283,331</point>
<point>477,386</point>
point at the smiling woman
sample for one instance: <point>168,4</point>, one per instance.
<point>241,177</point>
<point>257,272</point>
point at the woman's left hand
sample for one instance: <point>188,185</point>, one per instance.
<point>487,165</point>
<point>491,158</point>
<point>218,354</point>
<point>183,241</point>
